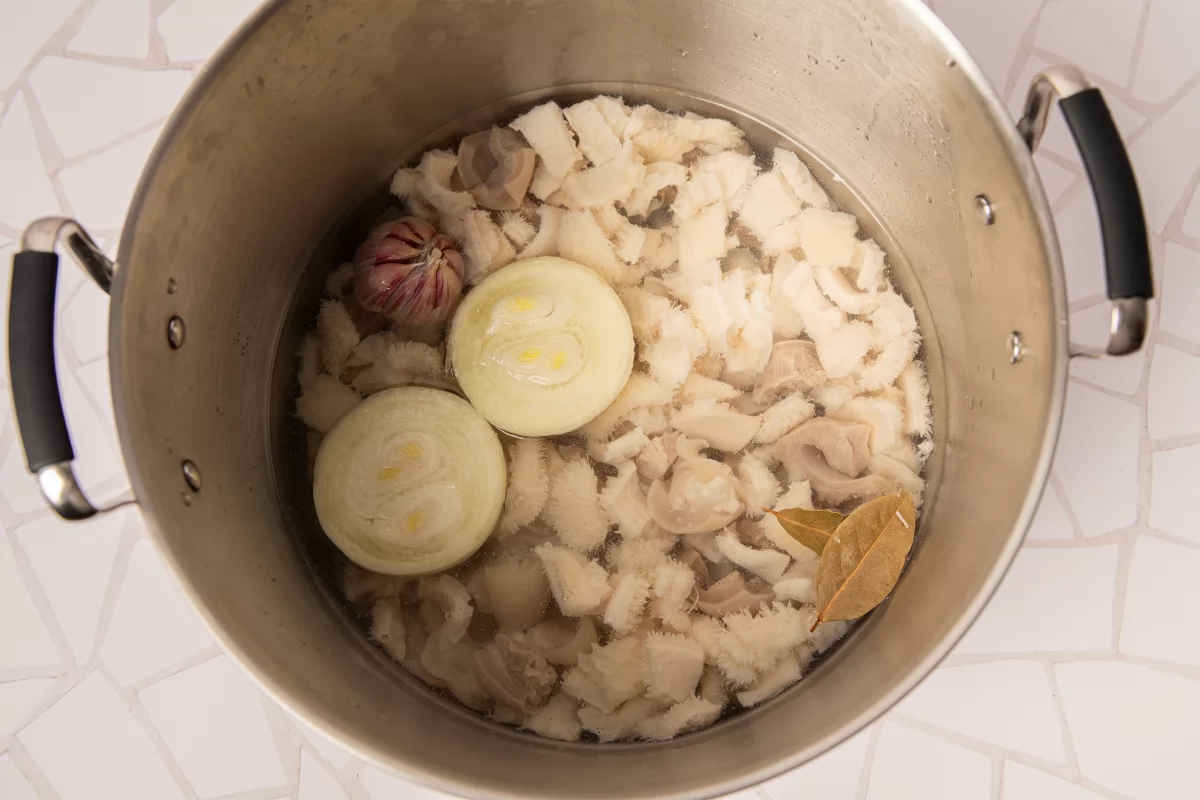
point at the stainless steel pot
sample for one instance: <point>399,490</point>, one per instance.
<point>309,110</point>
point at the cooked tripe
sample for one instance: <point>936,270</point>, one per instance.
<point>725,341</point>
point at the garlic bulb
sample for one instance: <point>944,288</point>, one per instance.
<point>541,347</point>
<point>408,271</point>
<point>410,482</point>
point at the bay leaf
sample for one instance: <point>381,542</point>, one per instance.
<point>811,528</point>
<point>863,560</point>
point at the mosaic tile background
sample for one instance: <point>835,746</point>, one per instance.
<point>1081,680</point>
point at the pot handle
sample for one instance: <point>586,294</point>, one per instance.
<point>33,380</point>
<point>1118,202</point>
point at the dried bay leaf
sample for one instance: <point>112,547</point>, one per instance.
<point>863,560</point>
<point>811,528</point>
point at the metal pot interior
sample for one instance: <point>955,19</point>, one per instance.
<point>278,161</point>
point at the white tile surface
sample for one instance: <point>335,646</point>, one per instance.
<point>17,485</point>
<point>333,753</point>
<point>13,784</point>
<point>193,29</point>
<point>72,563</point>
<point>316,783</point>
<point>1174,387</point>
<point>1055,179</point>
<point>113,100</point>
<point>85,322</point>
<point>1135,729</point>
<point>381,785</point>
<point>99,189</point>
<point>1169,53</point>
<point>1079,237</point>
<point>1162,599</point>
<point>96,460</point>
<point>89,746</point>
<point>1101,42</point>
<point>1026,783</point>
<point>1097,459</point>
<point>26,28</point>
<point>910,764</point>
<point>1051,522</point>
<point>17,699</point>
<point>27,642</point>
<point>1089,327</point>
<point>833,776</point>
<point>211,718</point>
<point>1068,592</point>
<point>1181,292</point>
<point>1191,220</point>
<point>21,166</point>
<point>115,28</point>
<point>1176,474</point>
<point>1165,160</point>
<point>1006,703</point>
<point>1059,600</point>
<point>93,376</point>
<point>990,31</point>
<point>152,625</point>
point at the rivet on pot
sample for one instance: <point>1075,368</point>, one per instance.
<point>175,332</point>
<point>984,205</point>
<point>1016,348</point>
<point>191,474</point>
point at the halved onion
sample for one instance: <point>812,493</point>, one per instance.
<point>541,346</point>
<point>410,482</point>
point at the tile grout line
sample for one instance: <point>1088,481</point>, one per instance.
<point>1178,541</point>
<point>1120,590</point>
<point>864,775</point>
<point>285,737</point>
<point>112,592</point>
<point>977,745</point>
<point>1065,501</point>
<point>50,152</point>
<point>31,771</point>
<point>62,685</point>
<point>99,150</point>
<point>1056,657</point>
<point>134,705</point>
<point>1060,711</point>
<point>54,44</point>
<point>1178,343</point>
<point>209,653</point>
<point>1139,44</point>
<point>870,755</point>
<point>41,601</point>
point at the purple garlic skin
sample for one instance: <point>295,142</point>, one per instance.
<point>408,272</point>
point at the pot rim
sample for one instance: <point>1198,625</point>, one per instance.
<point>296,707</point>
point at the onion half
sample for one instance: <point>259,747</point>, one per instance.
<point>410,482</point>
<point>541,346</point>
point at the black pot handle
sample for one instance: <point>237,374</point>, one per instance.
<point>33,380</point>
<point>1118,202</point>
